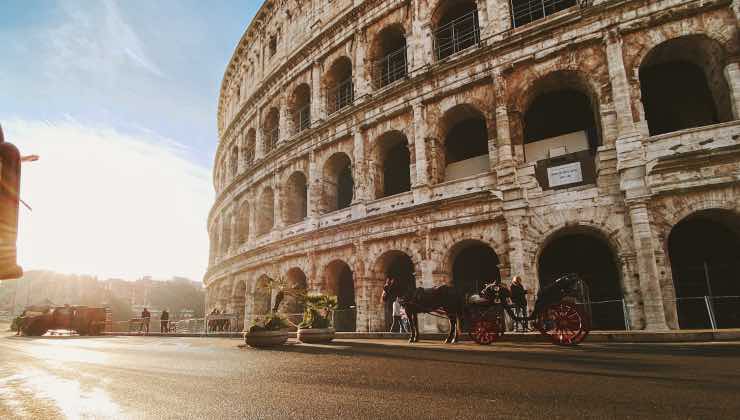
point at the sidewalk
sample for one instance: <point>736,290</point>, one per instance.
<point>672,336</point>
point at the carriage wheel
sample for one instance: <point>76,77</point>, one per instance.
<point>485,332</point>
<point>563,323</point>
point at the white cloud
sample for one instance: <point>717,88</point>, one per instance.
<point>110,203</point>
<point>96,42</point>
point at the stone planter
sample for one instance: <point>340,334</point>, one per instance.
<point>315,335</point>
<point>266,338</point>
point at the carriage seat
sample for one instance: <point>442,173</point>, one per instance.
<point>477,299</point>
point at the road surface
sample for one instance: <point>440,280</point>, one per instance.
<point>214,378</point>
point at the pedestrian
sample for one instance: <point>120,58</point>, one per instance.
<point>164,321</point>
<point>519,300</point>
<point>145,317</point>
<point>405,324</point>
<point>396,325</point>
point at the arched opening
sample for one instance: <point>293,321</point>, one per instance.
<point>394,165</point>
<point>262,296</point>
<point>238,300</point>
<point>339,85</point>
<point>243,223</point>
<point>465,142</point>
<point>296,198</point>
<point>474,264</point>
<point>399,266</point>
<point>389,56</point>
<point>528,11</point>
<point>585,252</point>
<point>249,146</point>
<point>455,27</point>
<point>683,85</point>
<point>293,306</point>
<point>271,130</point>
<point>338,182</point>
<point>301,108</point>
<point>704,249</point>
<point>266,211</point>
<point>561,131</point>
<point>340,282</point>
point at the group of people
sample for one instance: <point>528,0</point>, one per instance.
<point>218,324</point>
<point>164,321</point>
<point>517,295</point>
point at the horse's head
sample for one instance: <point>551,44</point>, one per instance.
<point>390,289</point>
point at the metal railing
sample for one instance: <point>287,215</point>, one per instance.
<point>528,11</point>
<point>460,34</point>
<point>390,68</point>
<point>341,96</point>
<point>271,139</point>
<point>302,118</point>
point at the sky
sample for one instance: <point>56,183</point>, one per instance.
<point>119,99</point>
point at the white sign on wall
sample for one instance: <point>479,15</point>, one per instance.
<point>570,173</point>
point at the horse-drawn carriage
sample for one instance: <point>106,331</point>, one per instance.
<point>557,313</point>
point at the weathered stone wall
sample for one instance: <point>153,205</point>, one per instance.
<point>644,184</point>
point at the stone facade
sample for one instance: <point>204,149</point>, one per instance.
<point>303,166</point>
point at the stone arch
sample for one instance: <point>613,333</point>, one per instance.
<point>293,306</point>
<point>455,26</point>
<point>338,84</point>
<point>250,144</point>
<point>338,279</point>
<point>464,136</point>
<point>704,253</point>
<point>548,120</point>
<point>388,55</point>
<point>473,263</point>
<point>265,211</point>
<point>696,63</point>
<point>238,302</point>
<point>262,296</point>
<point>338,182</point>
<point>295,202</point>
<point>271,130</point>
<point>392,159</point>
<point>592,254</point>
<point>300,107</point>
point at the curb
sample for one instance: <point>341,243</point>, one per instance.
<point>593,337</point>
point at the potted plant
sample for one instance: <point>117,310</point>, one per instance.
<point>316,326</point>
<point>267,331</point>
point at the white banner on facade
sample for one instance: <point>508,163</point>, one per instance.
<point>570,173</point>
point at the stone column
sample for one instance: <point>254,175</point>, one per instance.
<point>647,268</point>
<point>284,132</point>
<point>252,220</point>
<point>278,191</point>
<point>259,148</point>
<point>314,191</point>
<point>420,51</point>
<point>359,170</point>
<point>317,108</point>
<point>732,74</point>
<point>619,84</point>
<point>235,244</point>
<point>419,134</point>
<point>361,85</point>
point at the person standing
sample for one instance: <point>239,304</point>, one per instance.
<point>145,317</point>
<point>519,300</point>
<point>396,316</point>
<point>164,321</point>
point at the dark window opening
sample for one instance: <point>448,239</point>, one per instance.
<point>340,88</point>
<point>341,283</point>
<point>704,250</point>
<point>390,64</point>
<point>271,130</point>
<point>396,162</point>
<point>338,182</point>
<point>593,260</point>
<point>528,11</point>
<point>475,266</point>
<point>296,199</point>
<point>676,96</point>
<point>273,45</point>
<point>345,188</point>
<point>457,29</point>
<point>266,212</point>
<point>302,108</point>
<point>554,114</point>
<point>467,139</point>
<point>250,146</point>
<point>234,161</point>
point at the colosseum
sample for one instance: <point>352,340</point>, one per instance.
<point>460,141</point>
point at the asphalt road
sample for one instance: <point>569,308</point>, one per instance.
<point>148,377</point>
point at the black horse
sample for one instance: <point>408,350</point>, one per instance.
<point>440,299</point>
